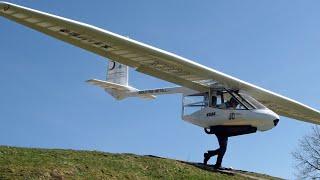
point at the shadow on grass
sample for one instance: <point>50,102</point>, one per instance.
<point>209,168</point>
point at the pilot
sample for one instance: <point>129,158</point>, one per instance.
<point>223,141</point>
<point>231,104</point>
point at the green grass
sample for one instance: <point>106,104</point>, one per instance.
<point>30,163</point>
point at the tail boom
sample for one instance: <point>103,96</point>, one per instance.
<point>117,85</point>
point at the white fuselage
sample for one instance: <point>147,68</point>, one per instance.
<point>262,119</point>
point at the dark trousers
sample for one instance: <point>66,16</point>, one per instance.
<point>223,141</point>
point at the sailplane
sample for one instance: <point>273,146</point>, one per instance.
<point>219,103</point>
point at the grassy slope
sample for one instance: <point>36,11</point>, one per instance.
<point>27,163</point>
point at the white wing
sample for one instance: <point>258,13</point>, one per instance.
<point>150,60</point>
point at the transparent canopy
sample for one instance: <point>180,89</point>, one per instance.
<point>221,99</point>
<point>253,101</point>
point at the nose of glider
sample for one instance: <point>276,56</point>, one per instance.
<point>269,118</point>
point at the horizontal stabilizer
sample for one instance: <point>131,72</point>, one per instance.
<point>118,91</point>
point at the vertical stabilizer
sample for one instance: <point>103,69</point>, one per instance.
<point>117,73</point>
<point>117,83</point>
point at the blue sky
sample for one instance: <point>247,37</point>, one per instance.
<point>46,103</point>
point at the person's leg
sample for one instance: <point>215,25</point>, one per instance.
<point>213,152</point>
<point>206,158</point>
<point>223,142</point>
<point>210,153</point>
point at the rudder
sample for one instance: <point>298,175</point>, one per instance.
<point>117,73</point>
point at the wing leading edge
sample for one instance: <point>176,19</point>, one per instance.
<point>150,60</point>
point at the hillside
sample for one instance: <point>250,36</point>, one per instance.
<point>29,163</point>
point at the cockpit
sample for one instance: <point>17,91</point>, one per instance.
<point>234,100</point>
<point>222,99</point>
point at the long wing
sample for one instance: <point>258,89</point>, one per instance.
<point>150,60</point>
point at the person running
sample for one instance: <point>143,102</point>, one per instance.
<point>223,141</point>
